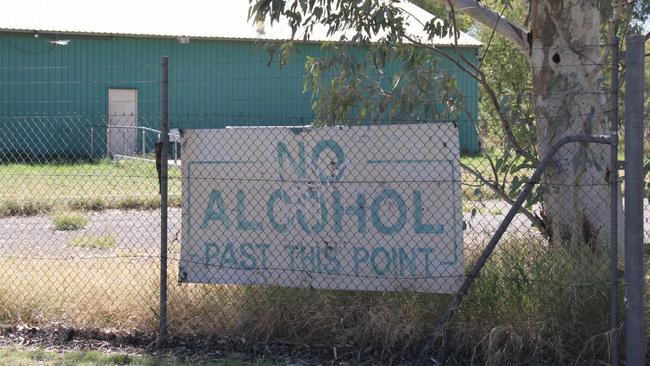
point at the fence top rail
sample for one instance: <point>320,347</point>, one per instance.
<point>131,127</point>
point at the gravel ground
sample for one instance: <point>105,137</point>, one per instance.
<point>137,233</point>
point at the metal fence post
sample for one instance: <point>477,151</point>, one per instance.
<point>613,186</point>
<point>92,143</point>
<point>635,342</point>
<point>164,134</point>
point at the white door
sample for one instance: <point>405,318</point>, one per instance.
<point>122,117</point>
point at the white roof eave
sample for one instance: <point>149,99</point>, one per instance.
<point>199,19</point>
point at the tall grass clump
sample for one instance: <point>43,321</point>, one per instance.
<point>87,204</point>
<point>29,207</point>
<point>66,221</point>
<point>533,299</point>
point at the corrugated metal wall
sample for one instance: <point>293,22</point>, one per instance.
<point>54,99</point>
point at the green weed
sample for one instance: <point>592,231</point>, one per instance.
<point>66,221</point>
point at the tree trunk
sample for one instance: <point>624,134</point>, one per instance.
<point>570,99</point>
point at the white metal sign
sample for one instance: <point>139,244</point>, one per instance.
<point>355,208</point>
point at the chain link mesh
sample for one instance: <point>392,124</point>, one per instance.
<point>79,212</point>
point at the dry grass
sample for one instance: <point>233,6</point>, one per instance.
<point>94,242</point>
<point>98,292</point>
<point>531,302</point>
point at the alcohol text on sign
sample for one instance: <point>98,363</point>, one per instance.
<point>355,208</point>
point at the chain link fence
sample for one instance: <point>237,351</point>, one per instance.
<point>346,242</point>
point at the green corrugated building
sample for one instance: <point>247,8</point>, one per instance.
<point>69,70</point>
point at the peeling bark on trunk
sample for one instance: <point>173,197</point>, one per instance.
<point>566,59</point>
<point>570,99</point>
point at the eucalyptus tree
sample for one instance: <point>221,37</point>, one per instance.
<point>566,44</point>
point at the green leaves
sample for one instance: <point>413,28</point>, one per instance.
<point>381,84</point>
<point>436,28</point>
<point>382,21</point>
<point>282,50</point>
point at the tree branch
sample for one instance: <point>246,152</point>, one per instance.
<point>534,220</point>
<point>487,48</point>
<point>511,31</point>
<point>611,29</point>
<point>480,77</point>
